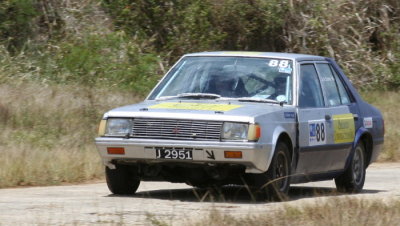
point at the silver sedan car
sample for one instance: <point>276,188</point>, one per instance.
<point>264,120</point>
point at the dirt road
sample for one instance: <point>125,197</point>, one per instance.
<point>175,204</point>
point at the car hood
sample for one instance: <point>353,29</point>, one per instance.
<point>221,110</point>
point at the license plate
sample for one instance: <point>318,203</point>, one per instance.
<point>174,153</point>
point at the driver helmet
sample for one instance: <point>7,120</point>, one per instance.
<point>224,83</point>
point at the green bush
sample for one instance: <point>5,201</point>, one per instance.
<point>24,21</point>
<point>361,35</point>
<point>394,66</point>
<point>142,34</point>
<point>111,61</point>
<point>172,27</point>
<point>16,22</point>
<point>177,27</point>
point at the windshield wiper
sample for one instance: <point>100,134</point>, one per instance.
<point>166,97</point>
<point>192,95</point>
<point>250,99</point>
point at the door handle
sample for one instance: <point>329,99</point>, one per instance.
<point>327,117</point>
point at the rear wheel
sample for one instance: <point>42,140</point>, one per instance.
<point>122,180</point>
<point>352,180</point>
<point>274,184</point>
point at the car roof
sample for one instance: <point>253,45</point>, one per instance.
<point>291,56</point>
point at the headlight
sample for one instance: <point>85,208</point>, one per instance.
<point>118,127</point>
<point>235,131</point>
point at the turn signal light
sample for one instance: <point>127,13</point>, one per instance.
<point>254,132</point>
<point>116,151</point>
<point>233,154</point>
<point>102,128</point>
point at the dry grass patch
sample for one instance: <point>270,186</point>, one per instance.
<point>335,211</point>
<point>388,102</point>
<point>22,165</point>
<point>48,131</point>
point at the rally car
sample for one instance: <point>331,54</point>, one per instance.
<point>261,119</point>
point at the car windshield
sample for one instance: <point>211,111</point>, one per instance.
<point>228,77</point>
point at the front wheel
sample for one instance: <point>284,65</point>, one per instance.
<point>275,183</point>
<point>122,180</point>
<point>352,180</point>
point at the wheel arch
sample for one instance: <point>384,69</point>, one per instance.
<point>362,135</point>
<point>280,134</point>
<point>367,140</point>
<point>284,137</point>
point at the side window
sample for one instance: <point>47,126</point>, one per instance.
<point>344,96</point>
<point>329,84</point>
<point>310,93</point>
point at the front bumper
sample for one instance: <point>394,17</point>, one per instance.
<point>255,155</point>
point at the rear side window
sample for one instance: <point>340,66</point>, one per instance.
<point>329,84</point>
<point>344,96</point>
<point>310,93</point>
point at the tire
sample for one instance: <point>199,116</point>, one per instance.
<point>122,180</point>
<point>275,183</point>
<point>352,180</point>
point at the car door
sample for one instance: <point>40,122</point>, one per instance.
<point>326,126</point>
<point>340,113</point>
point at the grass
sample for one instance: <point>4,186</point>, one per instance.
<point>329,211</point>
<point>388,102</point>
<point>48,131</point>
<point>336,211</point>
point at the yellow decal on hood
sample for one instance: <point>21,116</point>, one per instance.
<point>343,126</point>
<point>196,106</point>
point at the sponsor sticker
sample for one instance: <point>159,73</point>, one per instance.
<point>196,106</point>
<point>286,70</point>
<point>343,126</point>
<point>281,98</point>
<point>317,132</point>
<point>289,115</point>
<point>368,124</point>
